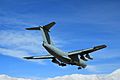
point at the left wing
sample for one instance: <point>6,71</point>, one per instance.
<point>40,57</point>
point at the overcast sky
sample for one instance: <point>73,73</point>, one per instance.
<point>80,24</point>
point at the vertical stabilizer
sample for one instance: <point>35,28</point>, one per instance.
<point>45,32</point>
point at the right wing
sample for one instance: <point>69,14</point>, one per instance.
<point>85,52</point>
<point>40,57</point>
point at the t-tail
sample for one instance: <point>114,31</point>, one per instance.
<point>45,32</point>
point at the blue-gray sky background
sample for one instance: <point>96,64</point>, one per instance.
<point>80,24</point>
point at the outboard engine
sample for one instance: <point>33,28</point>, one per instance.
<point>83,58</point>
<point>88,56</point>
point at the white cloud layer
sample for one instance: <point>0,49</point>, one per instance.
<point>113,76</point>
<point>20,43</point>
<point>6,77</point>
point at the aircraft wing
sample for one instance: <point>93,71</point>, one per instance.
<point>86,51</point>
<point>40,57</point>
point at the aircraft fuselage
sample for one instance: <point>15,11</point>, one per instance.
<point>60,55</point>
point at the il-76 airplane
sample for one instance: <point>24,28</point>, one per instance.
<point>77,57</point>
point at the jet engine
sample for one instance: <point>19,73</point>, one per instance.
<point>57,62</point>
<point>82,63</point>
<point>88,56</point>
<point>84,56</point>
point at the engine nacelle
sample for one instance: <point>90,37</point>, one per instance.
<point>88,56</point>
<point>83,58</point>
<point>82,63</point>
<point>55,61</point>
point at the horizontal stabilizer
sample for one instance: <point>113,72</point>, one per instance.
<point>34,28</point>
<point>46,27</point>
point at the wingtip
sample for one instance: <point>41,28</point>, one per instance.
<point>104,46</point>
<point>28,57</point>
<point>100,46</point>
<point>53,22</point>
<point>25,57</point>
<point>26,28</point>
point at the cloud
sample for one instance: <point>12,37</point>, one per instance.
<point>14,53</point>
<point>6,77</point>
<point>102,68</point>
<point>92,68</point>
<point>20,43</point>
<point>113,76</point>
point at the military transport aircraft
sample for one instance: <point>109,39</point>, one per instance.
<point>77,57</point>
